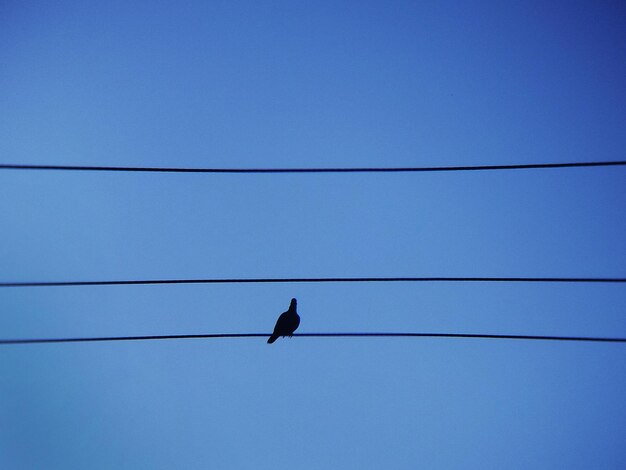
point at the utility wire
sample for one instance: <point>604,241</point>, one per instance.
<point>310,170</point>
<point>313,335</point>
<point>314,279</point>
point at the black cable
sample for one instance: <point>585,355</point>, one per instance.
<point>314,335</point>
<point>313,279</point>
<point>310,170</point>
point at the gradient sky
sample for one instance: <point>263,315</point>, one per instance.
<point>312,84</point>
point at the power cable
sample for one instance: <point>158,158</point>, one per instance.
<point>314,280</point>
<point>9,166</point>
<point>313,335</point>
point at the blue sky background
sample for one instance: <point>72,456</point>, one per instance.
<point>311,84</point>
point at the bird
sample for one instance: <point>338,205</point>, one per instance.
<point>286,324</point>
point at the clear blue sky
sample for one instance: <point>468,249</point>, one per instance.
<point>310,84</point>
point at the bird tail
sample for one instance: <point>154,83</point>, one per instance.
<point>272,339</point>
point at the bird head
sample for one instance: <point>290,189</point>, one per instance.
<point>292,305</point>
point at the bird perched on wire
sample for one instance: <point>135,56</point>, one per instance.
<point>287,323</point>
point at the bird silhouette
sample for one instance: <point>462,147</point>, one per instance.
<point>286,324</point>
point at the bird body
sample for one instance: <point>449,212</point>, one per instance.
<point>287,323</point>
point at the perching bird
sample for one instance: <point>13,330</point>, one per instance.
<point>286,324</point>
